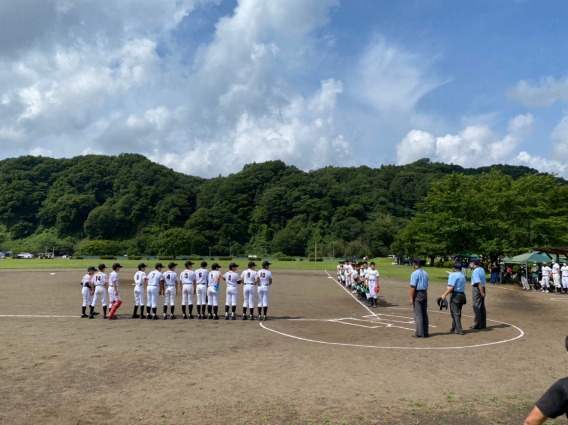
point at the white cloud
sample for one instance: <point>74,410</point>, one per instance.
<point>540,163</point>
<point>39,151</point>
<point>560,140</point>
<point>548,91</point>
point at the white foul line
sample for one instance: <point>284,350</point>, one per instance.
<point>36,315</point>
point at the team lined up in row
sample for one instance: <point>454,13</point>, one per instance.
<point>201,282</point>
<point>361,279</point>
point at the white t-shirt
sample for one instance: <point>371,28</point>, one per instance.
<point>362,273</point>
<point>213,274</point>
<point>201,275</point>
<point>372,275</point>
<point>139,278</point>
<point>100,278</point>
<point>248,276</point>
<point>546,271</point>
<point>231,278</point>
<point>555,268</point>
<point>339,268</point>
<point>187,277</point>
<point>564,270</point>
<point>155,277</point>
<point>87,280</point>
<point>264,277</point>
<point>113,278</point>
<point>170,278</point>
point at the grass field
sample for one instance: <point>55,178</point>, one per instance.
<point>384,265</point>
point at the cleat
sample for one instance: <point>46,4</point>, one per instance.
<point>83,316</point>
<point>164,317</point>
<point>172,317</point>
<point>95,313</point>
<point>135,316</point>
<point>184,317</point>
<point>191,316</point>
<point>216,317</point>
<point>91,316</point>
<point>105,316</point>
<point>245,317</point>
<point>226,317</point>
<point>264,318</point>
<point>251,317</point>
<point>233,318</point>
<point>210,317</point>
<point>154,317</point>
<point>259,318</point>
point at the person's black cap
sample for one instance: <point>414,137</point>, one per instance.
<point>141,266</point>
<point>416,261</point>
<point>171,265</point>
<point>442,303</point>
<point>204,264</point>
<point>102,266</point>
<point>91,269</point>
<point>188,263</point>
<point>215,266</point>
<point>159,265</point>
<point>266,263</point>
<point>251,264</point>
<point>233,265</point>
<point>475,261</point>
<point>116,266</point>
<point>458,265</point>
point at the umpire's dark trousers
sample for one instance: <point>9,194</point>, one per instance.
<point>420,304</point>
<point>456,303</point>
<point>479,308</point>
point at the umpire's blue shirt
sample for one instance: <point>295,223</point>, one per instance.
<point>457,280</point>
<point>478,276</point>
<point>419,279</point>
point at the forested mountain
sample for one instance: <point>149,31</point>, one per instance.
<point>268,207</point>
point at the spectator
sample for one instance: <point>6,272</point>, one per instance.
<point>494,273</point>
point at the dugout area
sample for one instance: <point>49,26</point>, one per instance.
<point>321,358</point>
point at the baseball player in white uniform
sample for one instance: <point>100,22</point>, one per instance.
<point>249,278</point>
<point>545,277</point>
<point>140,283</point>
<point>564,271</point>
<point>339,268</point>
<point>556,277</point>
<point>87,285</point>
<point>201,278</point>
<point>99,291</point>
<point>187,278</point>
<point>170,290</point>
<point>155,288</point>
<point>264,282</point>
<point>213,291</point>
<point>346,276</point>
<point>372,282</point>
<point>113,291</point>
<point>232,279</point>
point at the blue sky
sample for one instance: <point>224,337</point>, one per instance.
<point>206,86</point>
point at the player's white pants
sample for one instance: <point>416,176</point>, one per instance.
<point>100,293</point>
<point>152,293</point>
<point>248,292</point>
<point>263,296</point>
<point>213,296</point>
<point>187,294</point>
<point>139,295</point>
<point>231,296</point>
<point>565,282</point>
<point>372,293</point>
<point>556,278</point>
<point>201,294</point>
<point>170,295</point>
<point>525,282</point>
<point>86,296</point>
<point>546,281</point>
<point>112,297</point>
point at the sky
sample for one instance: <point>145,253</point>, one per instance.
<point>207,86</point>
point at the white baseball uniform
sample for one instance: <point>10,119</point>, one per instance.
<point>556,275</point>
<point>201,276</point>
<point>564,271</point>
<point>372,276</point>
<point>546,276</point>
<point>100,279</point>
<point>113,278</point>
<point>212,288</point>
<point>248,277</point>
<point>153,290</point>
<point>139,279</point>
<point>170,283</point>
<point>264,277</point>
<point>187,279</point>
<point>87,283</point>
<point>231,278</point>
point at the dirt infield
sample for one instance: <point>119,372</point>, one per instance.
<point>321,358</point>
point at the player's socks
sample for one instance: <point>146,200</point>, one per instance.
<point>165,310</point>
<point>105,311</point>
<point>265,310</point>
<point>209,309</point>
<point>172,309</point>
<point>191,310</point>
<point>83,310</point>
<point>226,309</point>
<point>233,309</point>
<point>91,316</point>
<point>259,311</point>
<point>199,310</point>
<point>183,309</point>
<point>244,311</point>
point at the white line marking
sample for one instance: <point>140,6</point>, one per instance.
<point>36,316</point>
<point>346,290</point>
<point>562,300</point>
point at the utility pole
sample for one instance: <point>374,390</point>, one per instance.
<point>316,254</point>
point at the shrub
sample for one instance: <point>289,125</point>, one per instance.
<point>299,259</point>
<point>77,257</point>
<point>99,247</point>
<point>192,258</point>
<point>165,258</point>
<point>107,257</point>
<point>285,259</point>
<point>317,259</point>
<point>225,258</point>
<point>134,257</point>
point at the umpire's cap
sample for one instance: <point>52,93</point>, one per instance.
<point>251,264</point>
<point>442,303</point>
<point>171,265</point>
<point>215,266</point>
<point>102,266</point>
<point>475,261</point>
<point>416,261</point>
<point>159,265</point>
<point>458,265</point>
<point>116,266</point>
<point>232,266</point>
<point>141,266</point>
<point>91,269</point>
<point>188,263</point>
<point>266,263</point>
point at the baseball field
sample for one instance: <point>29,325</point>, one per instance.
<point>321,358</point>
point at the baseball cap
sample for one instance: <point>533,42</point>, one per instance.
<point>188,263</point>
<point>91,269</point>
<point>158,265</point>
<point>102,266</point>
<point>141,266</point>
<point>116,266</point>
<point>215,266</point>
<point>251,264</point>
<point>475,261</point>
<point>458,265</point>
<point>171,265</point>
<point>266,263</point>
<point>233,265</point>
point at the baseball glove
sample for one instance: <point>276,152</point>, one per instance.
<point>377,289</point>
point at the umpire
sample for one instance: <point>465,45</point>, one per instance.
<point>419,299</point>
<point>478,295</point>
<point>456,287</point>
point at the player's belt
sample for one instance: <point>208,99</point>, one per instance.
<point>249,283</point>
<point>170,286</point>
<point>187,283</point>
<point>202,284</point>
